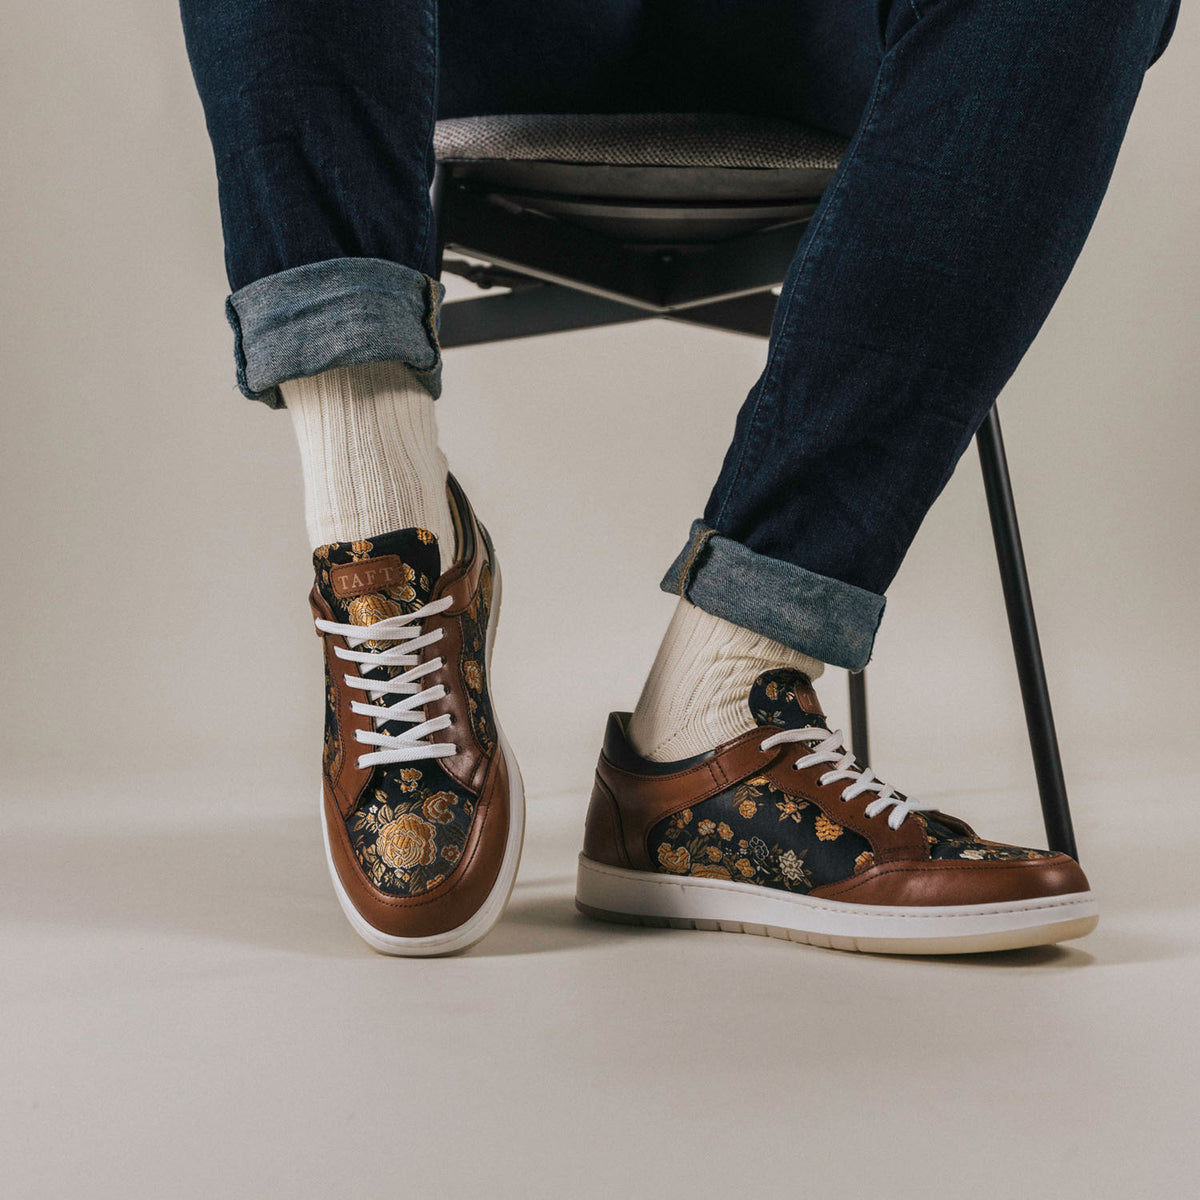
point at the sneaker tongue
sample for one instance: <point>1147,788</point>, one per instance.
<point>394,573</point>
<point>785,697</point>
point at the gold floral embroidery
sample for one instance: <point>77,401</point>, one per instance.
<point>783,698</point>
<point>439,807</point>
<point>710,871</point>
<point>407,842</point>
<point>474,651</point>
<point>949,842</point>
<point>724,832</point>
<point>706,827</point>
<point>714,854</point>
<point>864,861</point>
<point>746,796</point>
<point>413,823</point>
<point>789,806</point>
<point>675,858</point>
<point>744,867</point>
<point>827,830</point>
<point>425,536</point>
<point>791,867</point>
<point>374,606</point>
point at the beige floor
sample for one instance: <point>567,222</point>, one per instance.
<point>187,1015</point>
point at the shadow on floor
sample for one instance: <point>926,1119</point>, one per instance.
<point>260,882</point>
<point>264,883</point>
<point>541,917</point>
<point>1063,955</point>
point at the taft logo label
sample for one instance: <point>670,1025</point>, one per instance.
<point>370,575</point>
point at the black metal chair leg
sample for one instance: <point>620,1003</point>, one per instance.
<point>858,717</point>
<point>437,202</point>
<point>1031,672</point>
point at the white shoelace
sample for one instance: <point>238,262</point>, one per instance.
<point>832,749</point>
<point>406,631</point>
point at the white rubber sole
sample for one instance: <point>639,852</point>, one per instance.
<point>683,902</point>
<point>485,917</point>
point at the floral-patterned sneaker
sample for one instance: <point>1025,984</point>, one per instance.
<point>423,807</point>
<point>780,832</point>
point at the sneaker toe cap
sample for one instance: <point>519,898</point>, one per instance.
<point>957,882</point>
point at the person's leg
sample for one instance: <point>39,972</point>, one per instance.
<point>321,119</point>
<point>323,151</point>
<point>981,149</point>
<point>984,136</point>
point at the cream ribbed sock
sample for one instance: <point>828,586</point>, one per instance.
<point>369,450</point>
<point>697,693</point>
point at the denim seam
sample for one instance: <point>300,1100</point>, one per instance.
<point>431,119</point>
<point>271,396</point>
<point>685,574</point>
<point>433,314</point>
<point>781,341</point>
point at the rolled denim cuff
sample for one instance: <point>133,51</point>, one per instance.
<point>832,621</point>
<point>334,313</point>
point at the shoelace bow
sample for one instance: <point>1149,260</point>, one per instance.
<point>832,749</point>
<point>406,631</point>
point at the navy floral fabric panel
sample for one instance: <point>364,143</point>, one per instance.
<point>947,842</point>
<point>474,621</point>
<point>418,551</point>
<point>755,833</point>
<point>785,698</point>
<point>410,826</point>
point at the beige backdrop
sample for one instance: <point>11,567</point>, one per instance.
<point>153,516</point>
<point>158,656</point>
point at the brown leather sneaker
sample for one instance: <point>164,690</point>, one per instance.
<point>423,807</point>
<point>779,832</point>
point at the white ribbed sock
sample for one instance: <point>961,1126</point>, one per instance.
<point>698,690</point>
<point>369,450</point>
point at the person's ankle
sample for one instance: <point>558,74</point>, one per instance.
<point>368,446</point>
<point>695,696</point>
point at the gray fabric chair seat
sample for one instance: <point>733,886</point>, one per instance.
<point>645,176</point>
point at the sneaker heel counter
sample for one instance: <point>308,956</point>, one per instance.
<point>603,841</point>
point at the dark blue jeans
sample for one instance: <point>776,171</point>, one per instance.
<point>984,134</point>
